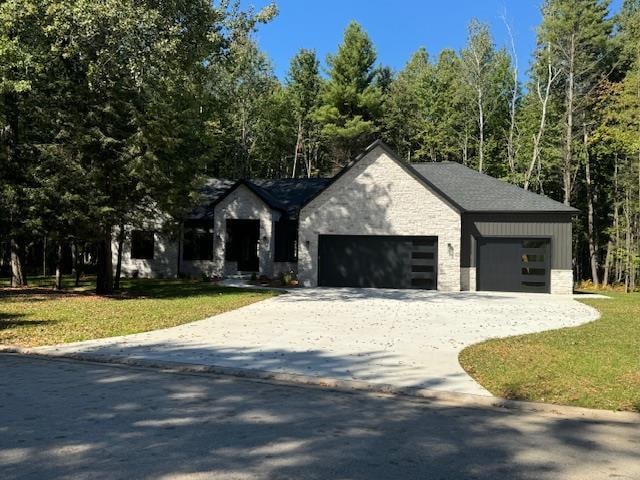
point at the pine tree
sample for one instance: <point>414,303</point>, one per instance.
<point>350,101</point>
<point>23,52</point>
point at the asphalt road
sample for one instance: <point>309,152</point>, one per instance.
<point>73,420</point>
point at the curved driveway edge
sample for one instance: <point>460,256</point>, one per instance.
<point>454,399</point>
<point>403,338</point>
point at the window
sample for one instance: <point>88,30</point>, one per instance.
<point>534,243</point>
<point>286,232</point>
<point>142,244</point>
<point>198,240</point>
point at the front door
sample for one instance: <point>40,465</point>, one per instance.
<point>243,238</point>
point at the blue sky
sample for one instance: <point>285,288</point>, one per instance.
<point>397,28</point>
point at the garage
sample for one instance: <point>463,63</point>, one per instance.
<point>514,264</point>
<point>377,261</point>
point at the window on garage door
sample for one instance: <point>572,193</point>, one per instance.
<point>514,264</point>
<point>377,261</point>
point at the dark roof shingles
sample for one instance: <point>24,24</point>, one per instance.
<point>287,194</point>
<point>476,192</point>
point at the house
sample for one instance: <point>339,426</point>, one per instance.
<point>379,223</point>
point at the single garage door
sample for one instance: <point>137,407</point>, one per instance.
<point>513,264</point>
<point>378,261</point>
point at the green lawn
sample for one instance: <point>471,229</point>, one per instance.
<point>38,316</point>
<point>596,365</point>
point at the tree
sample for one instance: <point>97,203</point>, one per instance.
<point>577,34</point>
<point>405,106</point>
<point>135,80</point>
<point>22,61</point>
<point>239,88</point>
<point>477,60</point>
<point>350,101</point>
<point>449,120</point>
<point>303,84</point>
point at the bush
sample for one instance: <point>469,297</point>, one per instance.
<point>288,278</point>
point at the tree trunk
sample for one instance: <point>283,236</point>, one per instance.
<point>607,264</point>
<point>568,147</point>
<point>17,277</point>
<point>511,151</point>
<point>116,280</point>
<point>12,115</point>
<point>295,154</point>
<point>481,132</point>
<point>44,257</point>
<point>78,260</point>
<point>537,138</point>
<point>593,247</point>
<point>616,222</point>
<point>627,269</point>
<point>58,283</point>
<point>104,264</point>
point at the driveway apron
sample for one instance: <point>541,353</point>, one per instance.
<point>397,337</point>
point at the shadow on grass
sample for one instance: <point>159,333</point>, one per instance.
<point>101,421</point>
<point>171,289</point>
<point>131,289</point>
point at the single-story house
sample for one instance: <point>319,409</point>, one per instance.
<point>379,223</point>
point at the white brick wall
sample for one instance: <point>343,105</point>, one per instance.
<point>468,279</point>
<point>242,203</point>
<point>561,282</point>
<point>165,256</point>
<point>378,197</point>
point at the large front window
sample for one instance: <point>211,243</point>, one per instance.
<point>198,240</point>
<point>286,248</point>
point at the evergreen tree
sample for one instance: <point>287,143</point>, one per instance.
<point>23,57</point>
<point>350,101</point>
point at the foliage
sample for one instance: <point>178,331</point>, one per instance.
<point>350,101</point>
<point>115,110</point>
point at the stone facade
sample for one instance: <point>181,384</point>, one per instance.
<point>243,204</point>
<point>164,263</point>
<point>377,196</point>
<point>468,279</point>
<point>561,282</point>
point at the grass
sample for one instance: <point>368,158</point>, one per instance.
<point>596,365</point>
<point>38,316</point>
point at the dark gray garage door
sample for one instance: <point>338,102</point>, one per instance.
<point>513,264</point>
<point>377,261</point>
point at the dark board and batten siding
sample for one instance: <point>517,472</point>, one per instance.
<point>556,226</point>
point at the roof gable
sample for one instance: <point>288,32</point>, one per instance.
<point>380,145</point>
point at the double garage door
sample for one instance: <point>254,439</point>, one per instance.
<point>503,264</point>
<point>514,264</point>
<point>378,261</point>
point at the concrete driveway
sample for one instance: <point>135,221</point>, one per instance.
<point>397,337</point>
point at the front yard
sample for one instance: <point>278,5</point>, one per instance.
<point>596,365</point>
<point>38,316</point>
